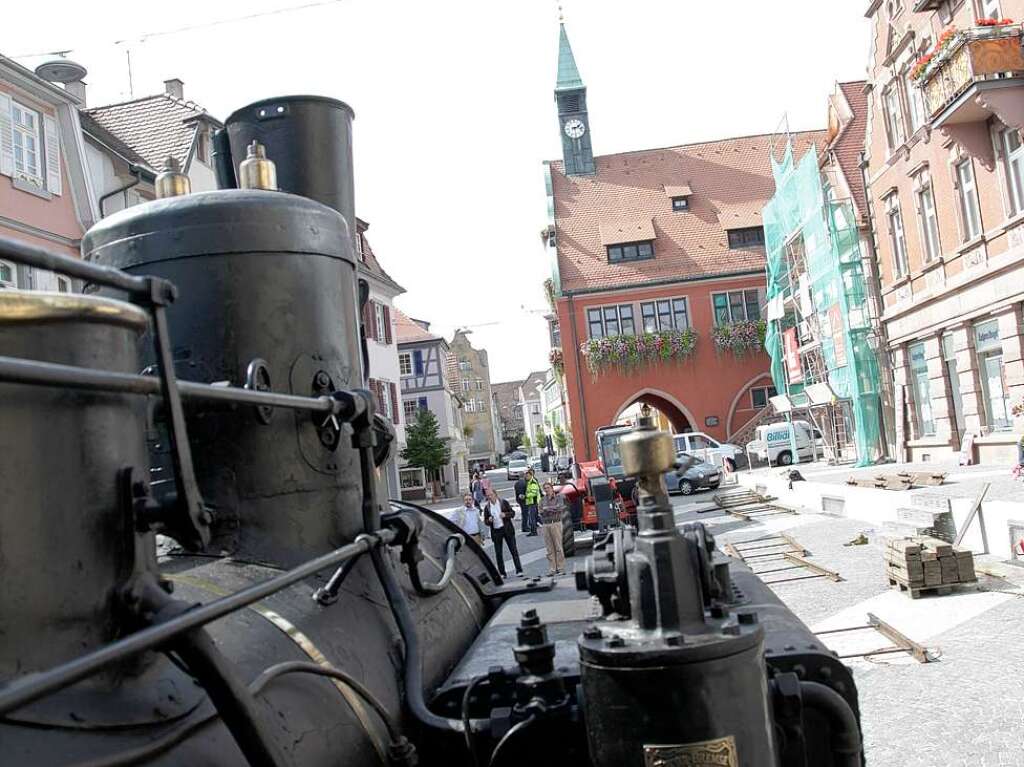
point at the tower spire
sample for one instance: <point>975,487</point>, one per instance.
<point>568,75</point>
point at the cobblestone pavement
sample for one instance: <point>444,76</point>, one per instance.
<point>966,707</point>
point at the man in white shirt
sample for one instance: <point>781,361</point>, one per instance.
<point>468,518</point>
<point>498,516</point>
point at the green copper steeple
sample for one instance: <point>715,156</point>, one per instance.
<point>573,122</point>
<point>568,75</point>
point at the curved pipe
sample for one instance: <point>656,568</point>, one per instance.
<point>413,656</point>
<point>451,547</point>
<point>846,741</point>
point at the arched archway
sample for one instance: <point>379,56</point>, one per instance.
<point>677,413</point>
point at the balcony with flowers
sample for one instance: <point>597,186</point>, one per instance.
<point>971,74</point>
<point>630,353</point>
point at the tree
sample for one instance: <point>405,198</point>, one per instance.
<point>526,441</point>
<point>538,436</point>
<point>467,431</point>
<point>424,447</point>
<point>561,440</point>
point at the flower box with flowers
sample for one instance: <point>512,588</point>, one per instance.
<point>557,361</point>
<point>631,352</point>
<point>740,337</point>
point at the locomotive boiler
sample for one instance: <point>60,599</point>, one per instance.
<point>203,397</point>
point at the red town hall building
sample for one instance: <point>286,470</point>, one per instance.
<point>658,269</point>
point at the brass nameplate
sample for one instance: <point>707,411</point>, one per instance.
<point>720,752</point>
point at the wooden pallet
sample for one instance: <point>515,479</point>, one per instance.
<point>916,591</point>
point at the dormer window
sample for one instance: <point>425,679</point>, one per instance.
<point>630,251</point>
<point>679,196</point>
<point>748,237</point>
<point>628,240</point>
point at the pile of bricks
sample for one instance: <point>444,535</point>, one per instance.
<point>921,563</point>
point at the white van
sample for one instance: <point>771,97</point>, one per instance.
<point>706,448</point>
<point>773,443</point>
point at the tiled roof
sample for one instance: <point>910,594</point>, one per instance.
<point>740,214</point>
<point>729,178</point>
<point>369,259</point>
<point>154,126</point>
<point>407,331</point>
<point>849,144</point>
<point>98,132</point>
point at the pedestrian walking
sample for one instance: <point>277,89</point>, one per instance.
<point>498,515</point>
<point>532,496</point>
<point>552,510</point>
<point>468,518</point>
<point>520,490</point>
<point>476,487</point>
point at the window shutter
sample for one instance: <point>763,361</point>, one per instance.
<point>387,325</point>
<point>375,391</point>
<point>52,140</point>
<point>6,136</point>
<point>366,319</point>
<point>417,362</point>
<point>394,403</point>
<point>371,321</point>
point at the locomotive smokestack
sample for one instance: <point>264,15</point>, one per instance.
<point>309,138</point>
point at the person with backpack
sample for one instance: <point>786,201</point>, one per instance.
<point>532,497</point>
<point>498,515</point>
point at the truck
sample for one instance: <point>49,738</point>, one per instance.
<point>773,442</point>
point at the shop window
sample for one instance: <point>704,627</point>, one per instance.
<point>8,275</point>
<point>923,419</point>
<point>993,377</point>
<point>953,380</point>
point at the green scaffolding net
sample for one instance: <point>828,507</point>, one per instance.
<point>816,287</point>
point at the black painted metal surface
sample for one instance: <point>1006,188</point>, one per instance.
<point>309,140</point>
<point>268,276</point>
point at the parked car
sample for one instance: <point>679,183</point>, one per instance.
<point>535,464</point>
<point>700,475</point>
<point>706,448</point>
<point>516,469</point>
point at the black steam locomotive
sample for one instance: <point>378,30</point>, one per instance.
<point>205,391</point>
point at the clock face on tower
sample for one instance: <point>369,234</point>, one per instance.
<point>574,128</point>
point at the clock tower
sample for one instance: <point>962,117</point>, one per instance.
<point>573,123</point>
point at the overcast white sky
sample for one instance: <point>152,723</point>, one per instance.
<point>454,108</point>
